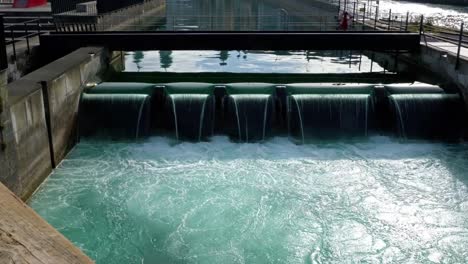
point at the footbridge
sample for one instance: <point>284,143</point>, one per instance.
<point>223,40</point>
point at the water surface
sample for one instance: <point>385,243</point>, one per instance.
<point>373,201</point>
<point>440,15</point>
<point>250,61</point>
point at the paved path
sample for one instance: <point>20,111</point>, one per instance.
<point>445,46</point>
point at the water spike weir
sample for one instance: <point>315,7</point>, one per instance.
<point>331,115</point>
<point>430,116</point>
<point>249,111</point>
<point>191,106</point>
<point>329,111</point>
<point>192,114</point>
<point>115,115</point>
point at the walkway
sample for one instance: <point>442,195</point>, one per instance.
<point>450,48</point>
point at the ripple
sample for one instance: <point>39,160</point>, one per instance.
<point>376,201</point>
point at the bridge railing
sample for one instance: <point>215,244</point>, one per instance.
<point>3,53</point>
<point>234,22</point>
<point>457,37</point>
<point>20,33</point>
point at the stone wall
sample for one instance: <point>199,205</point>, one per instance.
<point>41,118</point>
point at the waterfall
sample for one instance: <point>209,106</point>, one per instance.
<point>413,88</point>
<point>328,115</point>
<point>193,115</point>
<point>116,115</point>
<point>122,88</point>
<point>427,115</point>
<point>249,116</point>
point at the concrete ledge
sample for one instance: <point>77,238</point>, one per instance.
<point>26,238</point>
<point>41,118</point>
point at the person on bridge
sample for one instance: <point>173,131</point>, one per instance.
<point>344,24</point>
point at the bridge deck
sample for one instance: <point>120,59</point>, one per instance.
<point>197,40</point>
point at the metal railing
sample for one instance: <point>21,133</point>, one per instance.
<point>3,52</point>
<point>15,33</point>
<point>279,21</point>
<point>458,37</point>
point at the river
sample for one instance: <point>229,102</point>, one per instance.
<point>439,15</point>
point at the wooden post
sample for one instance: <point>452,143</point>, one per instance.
<point>460,41</point>
<point>354,12</point>
<point>421,25</point>
<point>364,17</point>
<point>389,19</point>
<point>376,17</point>
<point>407,21</point>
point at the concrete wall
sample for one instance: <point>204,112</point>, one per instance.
<point>41,118</point>
<point>430,65</point>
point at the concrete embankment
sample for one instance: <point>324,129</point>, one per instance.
<point>38,116</point>
<point>430,64</point>
<point>40,119</point>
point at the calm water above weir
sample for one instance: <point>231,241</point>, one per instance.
<point>250,61</point>
<point>258,15</point>
<point>154,201</point>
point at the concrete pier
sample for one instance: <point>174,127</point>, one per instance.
<point>40,118</point>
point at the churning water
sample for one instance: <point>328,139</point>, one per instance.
<point>154,201</point>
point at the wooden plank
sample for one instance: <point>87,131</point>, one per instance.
<point>27,238</point>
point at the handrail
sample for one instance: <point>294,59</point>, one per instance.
<point>25,33</point>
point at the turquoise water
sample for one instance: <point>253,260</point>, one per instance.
<point>250,61</point>
<point>372,201</point>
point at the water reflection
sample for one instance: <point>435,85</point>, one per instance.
<point>165,59</point>
<point>251,62</point>
<point>138,56</point>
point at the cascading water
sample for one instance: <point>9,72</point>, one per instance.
<point>328,115</point>
<point>116,115</point>
<point>192,115</point>
<point>250,116</point>
<point>427,115</point>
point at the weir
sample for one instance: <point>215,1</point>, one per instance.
<point>118,115</point>
<point>427,115</point>
<point>191,107</point>
<point>423,111</point>
<point>143,205</point>
<point>329,110</point>
<point>251,112</point>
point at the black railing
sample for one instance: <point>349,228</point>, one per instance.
<point>457,37</point>
<point>3,53</point>
<point>62,6</point>
<point>104,6</point>
<point>22,32</point>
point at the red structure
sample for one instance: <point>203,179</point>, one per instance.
<point>28,3</point>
